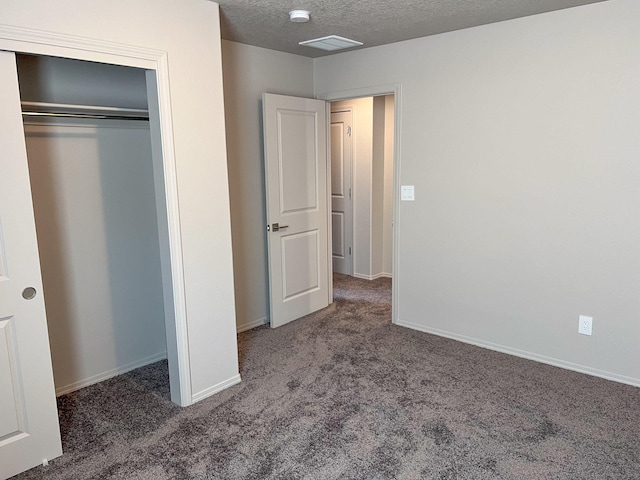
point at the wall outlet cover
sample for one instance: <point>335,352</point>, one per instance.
<point>585,325</point>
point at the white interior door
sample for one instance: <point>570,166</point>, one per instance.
<point>29,430</point>
<point>295,143</point>
<point>341,197</point>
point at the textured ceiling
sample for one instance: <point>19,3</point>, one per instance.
<point>265,23</point>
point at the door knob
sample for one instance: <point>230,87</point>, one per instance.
<point>275,227</point>
<point>29,293</point>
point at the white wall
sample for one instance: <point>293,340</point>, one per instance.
<point>382,187</point>
<point>387,214</point>
<point>248,73</point>
<point>377,186</point>
<point>521,140</point>
<point>94,202</point>
<point>188,31</point>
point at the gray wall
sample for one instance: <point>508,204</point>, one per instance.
<point>248,73</point>
<point>94,202</point>
<point>61,80</point>
<point>521,139</point>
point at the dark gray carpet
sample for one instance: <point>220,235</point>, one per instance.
<point>343,394</point>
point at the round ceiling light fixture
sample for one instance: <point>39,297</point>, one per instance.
<point>299,16</point>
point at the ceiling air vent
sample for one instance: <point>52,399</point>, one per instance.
<point>331,43</point>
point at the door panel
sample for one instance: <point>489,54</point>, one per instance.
<point>341,203</point>
<point>295,145</point>
<point>298,176</point>
<point>29,430</point>
<point>337,229</point>
<point>300,263</point>
<point>11,396</point>
<point>337,156</point>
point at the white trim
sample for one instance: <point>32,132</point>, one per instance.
<point>524,354</point>
<point>372,91</point>
<point>207,392</point>
<point>27,40</point>
<point>327,127</point>
<point>394,89</point>
<point>38,42</point>
<point>173,222</point>
<point>370,185</point>
<point>382,275</point>
<point>373,277</point>
<point>250,325</point>
<point>100,377</point>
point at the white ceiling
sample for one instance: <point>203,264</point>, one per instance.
<point>265,23</point>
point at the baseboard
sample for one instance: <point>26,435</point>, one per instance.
<point>524,354</point>
<point>256,323</point>
<point>207,392</point>
<point>382,275</point>
<point>372,277</point>
<point>72,387</point>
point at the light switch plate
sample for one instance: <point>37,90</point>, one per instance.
<point>407,193</point>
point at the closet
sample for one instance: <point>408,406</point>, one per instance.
<point>90,164</point>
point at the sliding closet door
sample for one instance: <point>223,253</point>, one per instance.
<point>29,430</point>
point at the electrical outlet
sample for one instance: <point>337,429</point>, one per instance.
<point>585,324</point>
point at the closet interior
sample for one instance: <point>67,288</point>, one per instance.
<point>92,178</point>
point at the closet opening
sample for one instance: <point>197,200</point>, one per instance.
<point>101,219</point>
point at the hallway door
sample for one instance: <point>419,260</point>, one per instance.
<point>341,193</point>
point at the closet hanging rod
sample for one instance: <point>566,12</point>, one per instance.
<point>66,110</point>
<point>84,115</point>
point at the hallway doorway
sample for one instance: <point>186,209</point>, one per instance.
<point>362,185</point>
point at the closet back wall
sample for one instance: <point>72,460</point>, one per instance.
<point>94,201</point>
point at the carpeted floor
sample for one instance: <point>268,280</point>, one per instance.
<point>344,394</point>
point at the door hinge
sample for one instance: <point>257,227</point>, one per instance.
<point>349,250</point>
<point>349,131</point>
<point>349,193</point>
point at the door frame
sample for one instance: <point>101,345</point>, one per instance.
<point>155,62</point>
<point>394,89</point>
